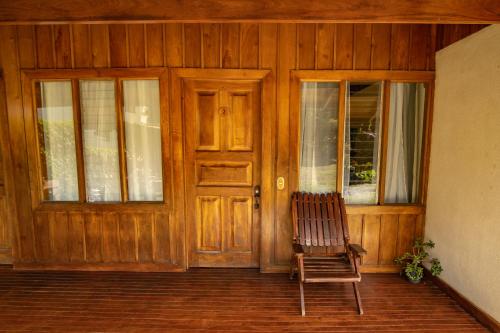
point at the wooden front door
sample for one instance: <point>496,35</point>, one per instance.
<point>222,164</point>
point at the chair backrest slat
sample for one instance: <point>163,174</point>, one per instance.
<point>324,217</point>
<point>338,220</point>
<point>307,220</point>
<point>301,219</point>
<point>313,219</point>
<point>319,220</point>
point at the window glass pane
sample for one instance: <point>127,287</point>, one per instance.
<point>404,148</point>
<point>100,144</point>
<point>143,139</point>
<point>56,136</point>
<point>362,142</point>
<point>319,123</point>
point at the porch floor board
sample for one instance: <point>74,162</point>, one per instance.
<point>219,300</point>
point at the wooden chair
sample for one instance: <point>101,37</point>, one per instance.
<point>321,249</point>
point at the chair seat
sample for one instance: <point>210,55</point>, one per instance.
<point>329,269</point>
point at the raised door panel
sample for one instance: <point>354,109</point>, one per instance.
<point>239,223</point>
<point>239,121</point>
<point>208,224</point>
<point>227,173</point>
<point>207,121</point>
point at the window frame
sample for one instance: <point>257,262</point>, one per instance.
<point>297,77</point>
<point>31,78</point>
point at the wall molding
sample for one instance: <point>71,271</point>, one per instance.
<point>491,323</point>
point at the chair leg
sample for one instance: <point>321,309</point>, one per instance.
<point>302,303</point>
<point>358,298</point>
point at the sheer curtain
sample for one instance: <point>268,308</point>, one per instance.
<point>319,123</point>
<point>404,149</point>
<point>57,140</point>
<point>143,139</point>
<point>100,140</point>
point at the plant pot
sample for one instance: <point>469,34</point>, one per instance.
<point>413,281</point>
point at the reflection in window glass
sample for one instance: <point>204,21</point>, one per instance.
<point>143,139</point>
<point>57,141</point>
<point>319,124</point>
<point>404,148</point>
<point>362,142</point>
<point>100,144</point>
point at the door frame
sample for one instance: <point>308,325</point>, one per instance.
<point>177,144</point>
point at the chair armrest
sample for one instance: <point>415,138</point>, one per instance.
<point>357,249</point>
<point>297,248</point>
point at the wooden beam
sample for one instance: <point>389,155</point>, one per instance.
<point>359,11</point>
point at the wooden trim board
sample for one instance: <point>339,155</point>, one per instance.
<point>491,323</point>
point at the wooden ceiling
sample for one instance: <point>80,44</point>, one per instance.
<point>356,11</point>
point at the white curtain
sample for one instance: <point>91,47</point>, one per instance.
<point>55,118</point>
<point>143,139</point>
<point>319,123</point>
<point>406,118</point>
<point>100,140</point>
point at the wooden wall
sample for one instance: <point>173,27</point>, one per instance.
<point>142,238</point>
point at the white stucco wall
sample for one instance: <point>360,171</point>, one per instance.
<point>463,206</point>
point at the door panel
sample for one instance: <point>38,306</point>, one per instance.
<point>222,164</point>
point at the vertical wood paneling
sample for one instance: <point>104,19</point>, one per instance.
<point>388,239</point>
<point>93,239</point>
<point>8,58</point>
<point>268,59</point>
<point>42,237</point>
<point>192,45</point>
<point>230,45</point>
<point>162,246</point>
<point>419,47</point>
<point>355,228</point>
<point>400,46</point>
<point>371,239</point>
<point>81,46</point>
<point>145,237</point>
<point>154,42</point>
<point>325,38</point>
<point>76,237</point>
<point>118,45</point>
<point>381,46</point>
<point>406,232</point>
<point>110,238</point>
<point>59,237</point>
<point>44,46</point>
<point>173,45</point>
<point>62,46</point>
<point>26,41</point>
<point>134,236</point>
<point>99,41</point>
<point>211,45</point>
<point>128,244</point>
<point>249,45</point>
<point>136,45</point>
<point>287,61</point>
<point>362,46</point>
<point>306,45</point>
<point>344,39</point>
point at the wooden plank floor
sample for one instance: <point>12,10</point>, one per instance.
<point>218,300</point>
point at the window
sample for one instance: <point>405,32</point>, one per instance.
<point>404,146</point>
<point>342,139</point>
<point>56,137</point>
<point>362,142</point>
<point>120,139</point>
<point>319,128</point>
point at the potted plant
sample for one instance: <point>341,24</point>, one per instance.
<point>411,263</point>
